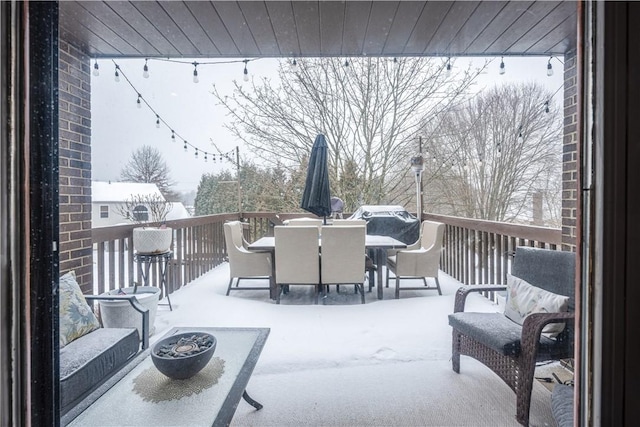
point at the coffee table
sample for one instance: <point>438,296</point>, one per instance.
<point>141,395</point>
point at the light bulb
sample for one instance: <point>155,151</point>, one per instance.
<point>246,74</point>
<point>116,76</point>
<point>185,146</point>
<point>205,157</point>
<point>502,69</point>
<point>546,106</point>
<point>139,102</point>
<point>173,136</point>
<point>294,65</point>
<point>157,121</point>
<point>520,138</point>
<point>96,69</point>
<point>195,76</point>
<point>549,69</point>
<point>145,70</point>
<point>448,67</point>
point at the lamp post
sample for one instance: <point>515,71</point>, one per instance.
<point>417,166</point>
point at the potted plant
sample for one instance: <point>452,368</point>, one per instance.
<point>150,211</point>
<point>118,313</point>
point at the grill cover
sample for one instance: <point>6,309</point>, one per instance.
<point>392,220</point>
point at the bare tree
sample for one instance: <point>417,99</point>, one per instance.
<point>370,111</point>
<point>147,165</point>
<point>487,158</point>
<point>145,208</point>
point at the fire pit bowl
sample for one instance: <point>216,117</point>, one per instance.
<point>181,356</point>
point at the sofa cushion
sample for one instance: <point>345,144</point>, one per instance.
<point>76,317</point>
<point>88,361</point>
<point>524,299</point>
<point>493,330</point>
<point>562,405</point>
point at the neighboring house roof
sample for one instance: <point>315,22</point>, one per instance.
<point>102,191</point>
<point>178,211</point>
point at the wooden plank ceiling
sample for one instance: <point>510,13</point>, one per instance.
<point>212,29</point>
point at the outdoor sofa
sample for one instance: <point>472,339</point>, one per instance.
<point>89,353</point>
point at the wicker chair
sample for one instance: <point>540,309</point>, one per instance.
<point>507,348</point>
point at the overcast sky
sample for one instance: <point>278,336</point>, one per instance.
<point>119,127</point>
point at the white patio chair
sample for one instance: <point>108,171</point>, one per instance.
<point>243,263</point>
<point>297,253</point>
<point>420,260</point>
<point>343,257</point>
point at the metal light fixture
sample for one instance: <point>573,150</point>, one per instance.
<point>417,166</point>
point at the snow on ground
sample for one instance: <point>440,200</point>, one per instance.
<point>341,333</point>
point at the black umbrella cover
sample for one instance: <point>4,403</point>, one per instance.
<point>316,197</point>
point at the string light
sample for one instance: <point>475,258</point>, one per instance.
<point>549,67</point>
<point>449,65</point>
<point>346,62</point>
<point>245,72</point>
<point>395,61</point>
<point>502,69</point>
<point>159,120</point>
<point>195,73</point>
<point>294,65</point>
<point>145,69</point>
<point>116,76</point>
<point>96,69</point>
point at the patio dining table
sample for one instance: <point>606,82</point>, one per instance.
<point>376,245</point>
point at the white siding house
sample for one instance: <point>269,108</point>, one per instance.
<point>108,197</point>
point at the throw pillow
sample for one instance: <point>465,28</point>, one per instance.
<point>523,299</point>
<point>76,317</point>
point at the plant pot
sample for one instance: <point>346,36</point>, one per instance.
<point>152,240</point>
<point>120,314</point>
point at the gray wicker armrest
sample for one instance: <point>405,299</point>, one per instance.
<point>534,324</point>
<point>461,294</point>
<point>135,304</point>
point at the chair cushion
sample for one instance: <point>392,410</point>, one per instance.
<point>562,405</point>
<point>88,361</point>
<point>524,299</point>
<point>493,330</point>
<point>76,317</point>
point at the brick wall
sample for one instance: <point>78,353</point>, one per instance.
<point>75,164</point>
<point>570,159</point>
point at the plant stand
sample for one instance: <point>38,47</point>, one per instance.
<point>144,265</point>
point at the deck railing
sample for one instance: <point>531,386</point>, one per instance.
<point>480,252</point>
<point>198,246</point>
<point>475,251</point>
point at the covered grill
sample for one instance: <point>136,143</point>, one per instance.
<point>391,220</point>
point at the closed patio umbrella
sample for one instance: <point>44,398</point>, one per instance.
<point>316,197</point>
